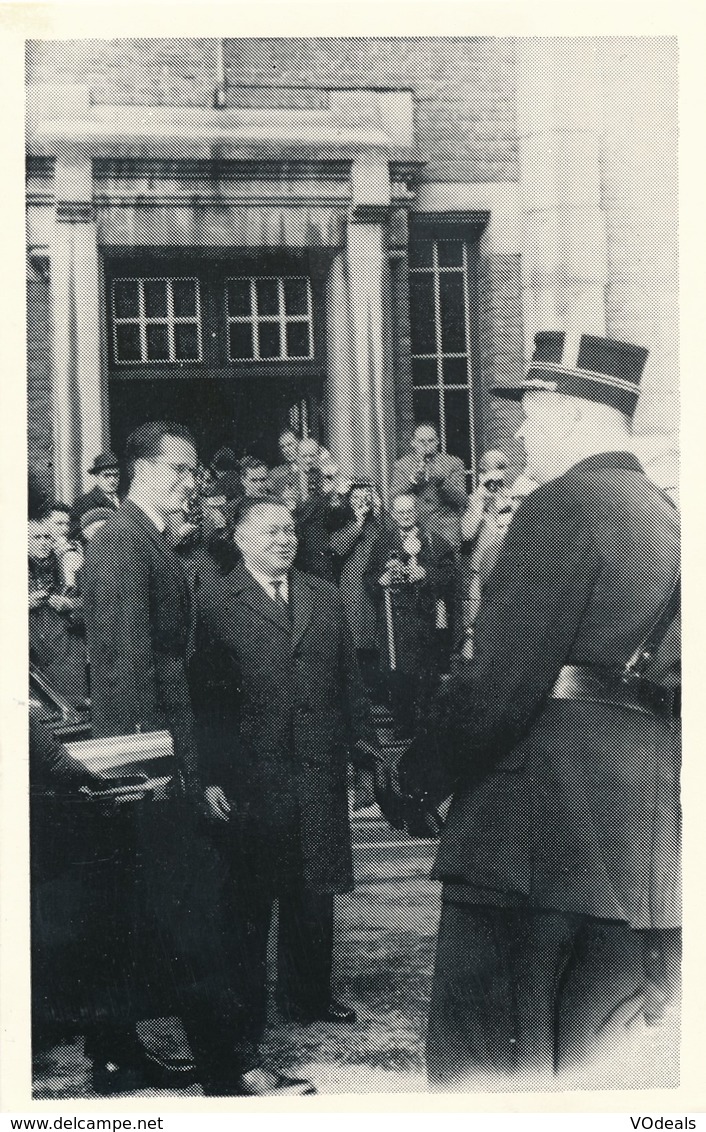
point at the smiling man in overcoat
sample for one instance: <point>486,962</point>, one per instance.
<point>280,708</point>
<point>559,743</point>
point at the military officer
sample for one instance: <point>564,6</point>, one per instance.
<point>559,858</point>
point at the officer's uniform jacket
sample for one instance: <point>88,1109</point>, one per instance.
<point>559,804</point>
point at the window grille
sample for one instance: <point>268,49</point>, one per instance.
<point>156,320</point>
<point>441,328</point>
<point>269,318</point>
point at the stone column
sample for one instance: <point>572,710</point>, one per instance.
<point>373,421</point>
<point>598,152</point>
<point>78,400</point>
<point>640,199</point>
<point>564,262</point>
<point>340,391</point>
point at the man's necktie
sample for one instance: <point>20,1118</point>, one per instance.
<point>280,599</point>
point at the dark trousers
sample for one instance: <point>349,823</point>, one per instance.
<point>159,948</point>
<point>524,994</point>
<point>304,953</point>
<point>409,694</point>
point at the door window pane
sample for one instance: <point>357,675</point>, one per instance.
<point>298,340</point>
<point>184,292</point>
<point>155,298</point>
<point>240,340</point>
<point>157,343</point>
<point>238,298</point>
<point>126,298</point>
<point>296,296</point>
<point>421,253</point>
<point>450,253</point>
<point>457,423</point>
<point>127,343</point>
<point>269,339</point>
<point>186,342</point>
<point>455,371</point>
<point>426,405</point>
<point>267,296</point>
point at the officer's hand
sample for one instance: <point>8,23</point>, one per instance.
<point>467,651</point>
<point>37,598</point>
<point>217,805</point>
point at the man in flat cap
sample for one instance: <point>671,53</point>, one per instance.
<point>559,745</point>
<point>106,470</point>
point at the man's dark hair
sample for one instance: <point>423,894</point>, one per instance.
<point>247,506</point>
<point>52,507</point>
<point>426,424</point>
<point>249,462</point>
<point>224,460</point>
<point>145,442</point>
<point>288,432</point>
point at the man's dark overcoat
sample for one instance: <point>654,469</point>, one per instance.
<point>556,804</point>
<point>137,610</point>
<point>280,705</point>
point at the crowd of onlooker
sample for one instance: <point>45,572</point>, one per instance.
<point>410,575</point>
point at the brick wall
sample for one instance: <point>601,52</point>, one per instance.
<point>464,89</point>
<point>500,349</point>
<point>39,422</point>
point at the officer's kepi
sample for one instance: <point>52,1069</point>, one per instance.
<point>597,369</point>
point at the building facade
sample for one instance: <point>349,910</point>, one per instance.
<point>341,234</point>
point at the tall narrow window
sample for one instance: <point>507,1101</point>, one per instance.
<point>442,343</point>
<point>156,320</point>
<point>269,318</point>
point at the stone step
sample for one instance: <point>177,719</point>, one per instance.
<point>391,850</point>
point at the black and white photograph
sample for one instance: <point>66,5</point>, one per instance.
<point>354,564</point>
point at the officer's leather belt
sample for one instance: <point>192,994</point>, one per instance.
<point>594,684</point>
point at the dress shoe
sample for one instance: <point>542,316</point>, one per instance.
<point>334,1011</point>
<point>139,1071</point>
<point>259,1082</point>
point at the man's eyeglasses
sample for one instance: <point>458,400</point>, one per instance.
<point>183,471</point>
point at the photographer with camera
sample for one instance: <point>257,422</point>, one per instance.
<point>410,577</point>
<point>352,547</point>
<point>483,528</point>
<point>56,637</point>
<point>437,480</point>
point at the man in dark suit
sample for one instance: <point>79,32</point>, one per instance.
<point>160,918</point>
<point>106,471</point>
<point>280,707</point>
<point>559,858</point>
